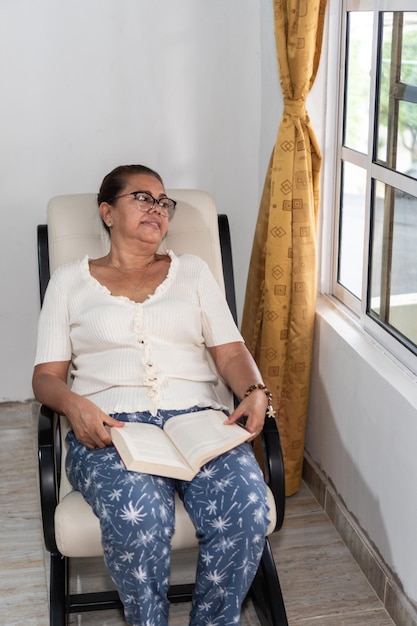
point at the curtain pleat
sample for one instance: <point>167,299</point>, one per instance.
<point>279,309</point>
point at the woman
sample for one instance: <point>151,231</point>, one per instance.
<point>136,327</point>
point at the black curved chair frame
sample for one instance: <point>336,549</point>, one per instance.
<point>265,591</point>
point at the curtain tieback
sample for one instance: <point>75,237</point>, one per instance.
<point>295,108</point>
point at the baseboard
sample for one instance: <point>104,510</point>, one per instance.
<point>383,581</point>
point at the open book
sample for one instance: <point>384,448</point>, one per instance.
<point>181,448</point>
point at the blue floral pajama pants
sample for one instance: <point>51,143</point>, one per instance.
<point>226,502</point>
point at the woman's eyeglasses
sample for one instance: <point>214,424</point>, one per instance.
<point>146,202</point>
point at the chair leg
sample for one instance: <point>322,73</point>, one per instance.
<point>58,590</point>
<point>266,592</point>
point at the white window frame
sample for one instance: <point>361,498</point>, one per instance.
<point>355,308</point>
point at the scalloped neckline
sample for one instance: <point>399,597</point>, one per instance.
<point>172,270</point>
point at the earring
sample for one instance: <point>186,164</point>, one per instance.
<point>110,224</point>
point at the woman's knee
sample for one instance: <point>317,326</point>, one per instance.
<point>231,495</point>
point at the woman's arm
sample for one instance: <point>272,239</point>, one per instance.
<point>237,367</point>
<point>87,420</point>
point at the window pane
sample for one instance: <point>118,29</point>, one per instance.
<point>351,230</point>
<point>359,55</point>
<point>409,49</point>
<point>407,139</point>
<point>397,121</point>
<point>394,270</point>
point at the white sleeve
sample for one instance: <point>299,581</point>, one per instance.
<point>53,328</point>
<point>218,324</point>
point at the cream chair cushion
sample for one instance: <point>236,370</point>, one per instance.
<point>77,529</point>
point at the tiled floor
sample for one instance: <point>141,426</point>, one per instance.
<point>321,583</point>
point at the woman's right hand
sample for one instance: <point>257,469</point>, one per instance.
<point>87,420</point>
<point>89,423</point>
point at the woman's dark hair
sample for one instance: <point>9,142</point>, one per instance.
<point>115,181</point>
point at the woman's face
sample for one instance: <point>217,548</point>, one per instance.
<point>129,218</point>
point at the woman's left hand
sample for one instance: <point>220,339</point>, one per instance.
<point>253,408</point>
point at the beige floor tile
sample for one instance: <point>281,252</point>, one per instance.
<point>23,593</point>
<point>377,617</point>
<point>318,575</point>
<point>15,414</point>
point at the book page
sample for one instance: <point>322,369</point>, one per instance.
<point>201,436</point>
<point>145,447</point>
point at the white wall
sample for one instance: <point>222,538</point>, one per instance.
<point>189,88</point>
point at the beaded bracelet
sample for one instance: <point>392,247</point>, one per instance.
<point>270,409</point>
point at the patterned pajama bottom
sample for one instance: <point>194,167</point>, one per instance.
<point>226,502</point>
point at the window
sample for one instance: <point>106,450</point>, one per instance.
<point>376,257</point>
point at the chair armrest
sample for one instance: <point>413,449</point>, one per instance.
<point>274,466</point>
<point>271,444</point>
<point>48,474</point>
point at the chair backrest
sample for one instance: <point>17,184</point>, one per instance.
<point>75,229</point>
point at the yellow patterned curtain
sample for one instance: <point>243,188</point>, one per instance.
<point>278,316</point>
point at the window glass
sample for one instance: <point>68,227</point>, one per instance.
<point>351,229</point>
<point>397,120</point>
<point>358,68</point>
<point>409,49</point>
<point>394,269</point>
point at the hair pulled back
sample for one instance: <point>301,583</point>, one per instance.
<point>115,181</point>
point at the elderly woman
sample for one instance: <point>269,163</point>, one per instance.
<point>136,327</point>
